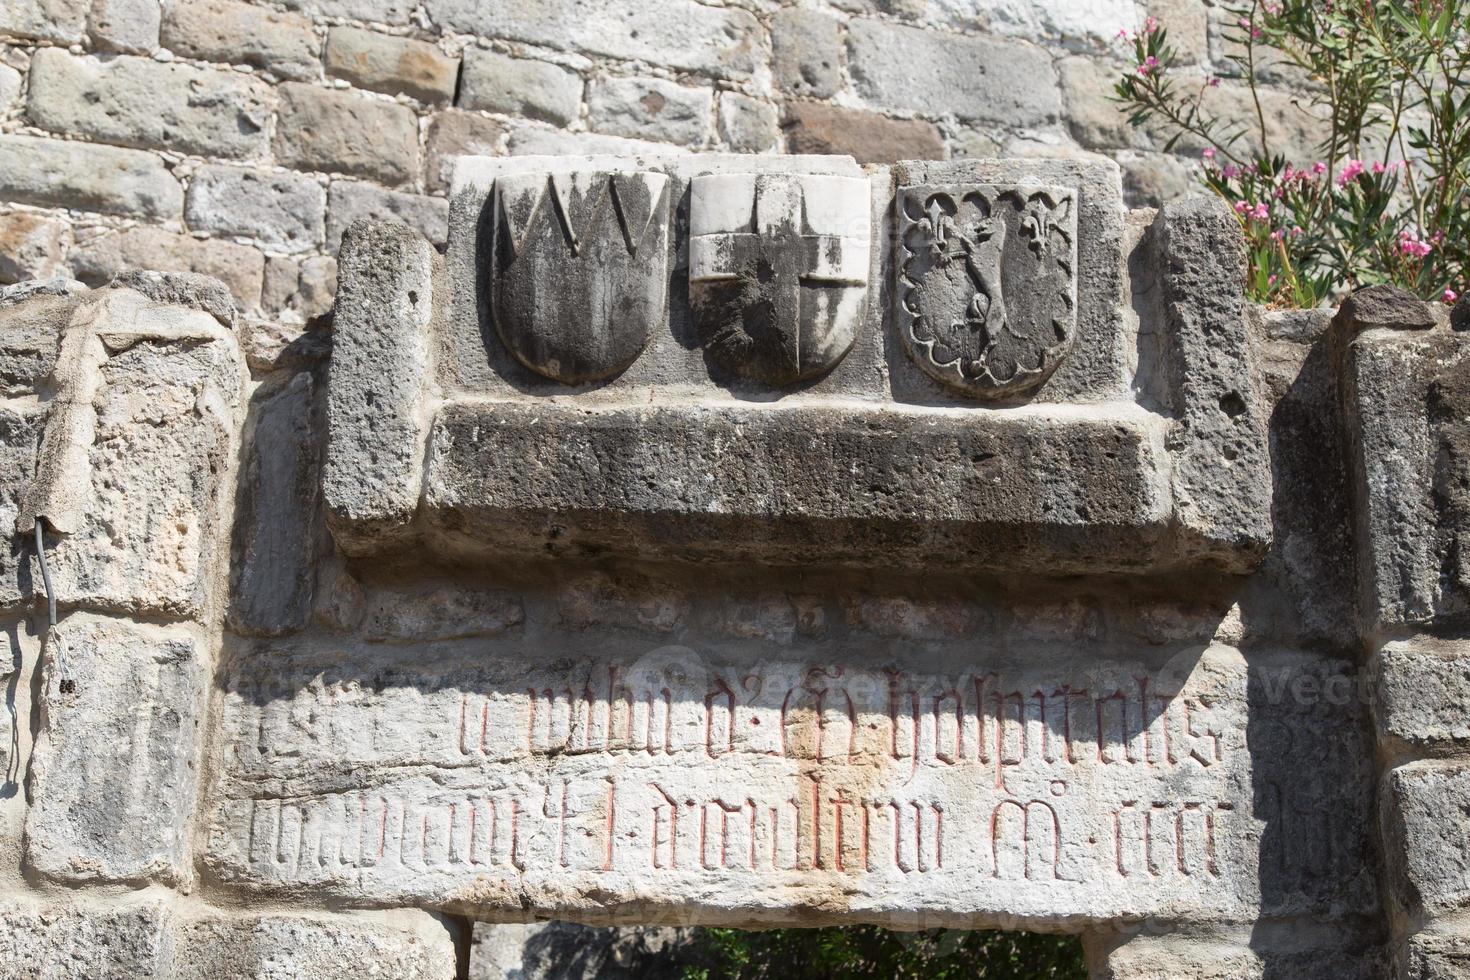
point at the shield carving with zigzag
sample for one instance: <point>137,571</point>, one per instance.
<point>579,269</point>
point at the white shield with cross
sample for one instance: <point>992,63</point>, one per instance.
<point>778,270</point>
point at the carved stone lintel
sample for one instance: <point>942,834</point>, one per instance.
<point>987,283</point>
<point>778,270</point>
<point>579,269</point>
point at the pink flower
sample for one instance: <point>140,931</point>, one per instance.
<point>1241,207</point>
<point>1278,235</point>
<point>1262,212</point>
<point>1208,153</point>
<point>1122,34</point>
<point>1151,25</point>
<point>1297,231</point>
<point>1378,167</point>
<point>1319,168</point>
<point>1412,246</point>
<point>1229,170</point>
<point>1350,172</point>
<point>1214,82</point>
<point>1450,295</point>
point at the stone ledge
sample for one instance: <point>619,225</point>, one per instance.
<point>1064,491</point>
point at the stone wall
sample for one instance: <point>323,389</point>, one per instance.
<point>239,139</point>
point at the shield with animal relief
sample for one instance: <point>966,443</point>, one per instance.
<point>987,283</point>
<point>778,270</point>
<point>579,269</point>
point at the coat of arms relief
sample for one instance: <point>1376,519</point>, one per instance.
<point>986,297</point>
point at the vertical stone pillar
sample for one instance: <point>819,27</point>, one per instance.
<point>1406,398</point>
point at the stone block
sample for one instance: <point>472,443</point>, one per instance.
<point>102,259</point>
<point>61,21</point>
<point>324,129</point>
<point>391,287</point>
<point>125,26</point>
<point>724,42</point>
<point>303,286</point>
<point>496,82</point>
<point>350,201</point>
<point>30,342</point>
<point>60,174</point>
<point>455,133</point>
<point>747,125</point>
<point>1269,951</point>
<point>25,353</point>
<point>1092,24</point>
<point>276,528</point>
<point>535,141</point>
<point>439,612</point>
<point>144,103</point>
<point>1426,838</point>
<point>394,65</point>
<point>1406,389</point>
<point>191,289</point>
<point>806,53</point>
<point>10,82</point>
<point>867,137</point>
<point>1434,955</point>
<point>375,11</point>
<point>75,941</point>
<point>403,946</point>
<point>136,457</point>
<point>30,246</point>
<point>115,768</point>
<point>1188,24</point>
<point>243,34</point>
<point>281,210</point>
<point>463,777</point>
<point>1201,253</point>
<point>972,78</point>
<point>1423,692</point>
<point>651,109</point>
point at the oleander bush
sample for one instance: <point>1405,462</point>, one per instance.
<point>1386,199</point>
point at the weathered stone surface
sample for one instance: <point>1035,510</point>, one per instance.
<point>1413,516</point>
<point>324,129</point>
<point>44,20</point>
<point>778,271</point>
<point>565,949</point>
<point>83,942</point>
<point>125,26</point>
<point>747,125</point>
<point>836,793</point>
<point>867,137</point>
<point>455,133</point>
<point>144,103</point>
<point>979,79</point>
<point>241,33</point>
<point>985,285</point>
<point>1383,308</point>
<point>20,440</point>
<point>720,41</point>
<point>136,456</point>
<point>376,11</point>
<point>531,141</point>
<point>651,109</point>
<point>1221,481</point>
<point>10,83</point>
<point>601,238</point>
<point>273,567</point>
<point>103,259</point>
<point>405,946</point>
<point>91,178</point>
<point>198,292</point>
<point>1423,692</point>
<point>390,289</point>
<point>438,612</point>
<point>1269,950</point>
<point>30,246</point>
<point>30,339</point>
<point>283,210</point>
<point>112,790</point>
<point>806,53</point>
<point>1426,839</point>
<point>350,201</point>
<point>520,87</point>
<point>394,65</point>
<point>1435,956</point>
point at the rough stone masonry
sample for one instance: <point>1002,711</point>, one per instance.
<point>746,541</point>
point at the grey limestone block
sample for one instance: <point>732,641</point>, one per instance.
<point>1426,839</point>
<point>100,260</point>
<point>140,102</point>
<point>282,210</point>
<point>351,201</point>
<point>977,79</point>
<point>68,174</point>
<point>1422,693</point>
<point>283,44</point>
<point>276,518</point>
<point>1158,951</point>
<point>45,20</point>
<point>1434,954</point>
<point>135,460</point>
<point>651,109</point>
<point>497,82</point>
<point>724,42</point>
<point>30,246</point>
<point>747,125</point>
<point>1222,479</point>
<point>806,52</point>
<point>116,764</point>
<point>191,289</point>
<point>454,133</point>
<point>390,290</point>
<point>1406,391</point>
<point>77,941</point>
<point>126,26</point>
